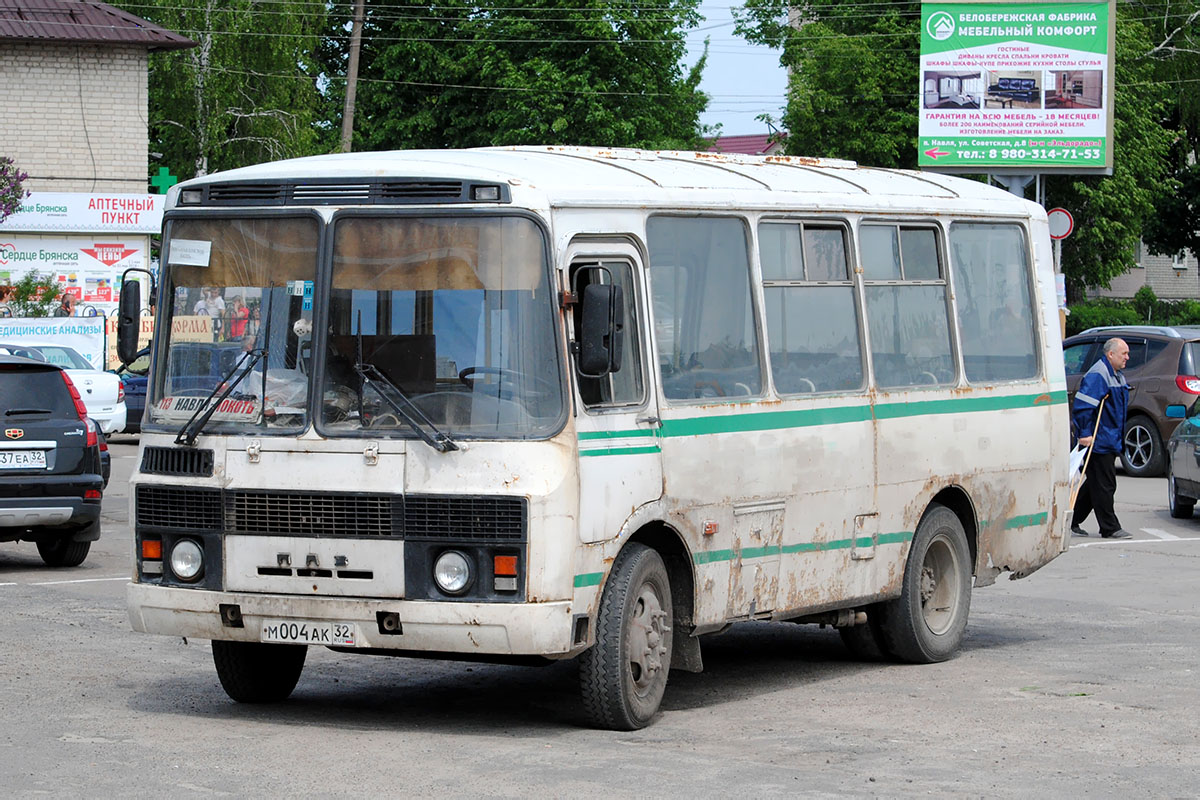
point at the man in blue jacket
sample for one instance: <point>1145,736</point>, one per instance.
<point>1103,382</point>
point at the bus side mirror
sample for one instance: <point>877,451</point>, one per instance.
<point>601,330</point>
<point>128,321</point>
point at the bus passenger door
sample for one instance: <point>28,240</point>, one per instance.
<point>617,423</point>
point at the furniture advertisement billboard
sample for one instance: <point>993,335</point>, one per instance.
<point>1017,87</point>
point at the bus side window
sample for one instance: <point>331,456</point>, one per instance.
<point>625,386</point>
<point>907,316</point>
<point>712,352</point>
<point>812,317</point>
<point>995,302</point>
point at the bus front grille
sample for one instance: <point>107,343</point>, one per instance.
<point>348,514</point>
<point>488,519</point>
<point>313,513</point>
<point>177,461</point>
<point>178,507</point>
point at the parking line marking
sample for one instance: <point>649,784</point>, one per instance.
<point>81,580</point>
<point>77,580</point>
<point>1118,542</point>
<point>1159,533</point>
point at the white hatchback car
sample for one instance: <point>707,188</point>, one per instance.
<point>102,392</point>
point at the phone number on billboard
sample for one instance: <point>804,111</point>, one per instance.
<point>1032,154</point>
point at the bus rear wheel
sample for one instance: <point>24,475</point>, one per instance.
<point>925,624</point>
<point>252,672</point>
<point>624,674</point>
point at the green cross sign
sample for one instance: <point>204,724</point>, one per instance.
<point>163,180</point>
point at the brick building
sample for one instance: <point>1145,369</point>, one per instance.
<point>73,87</point>
<point>73,77</point>
<point>1171,278</point>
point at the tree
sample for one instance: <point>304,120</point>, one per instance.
<point>33,295</point>
<point>458,74</point>
<point>247,93</point>
<point>852,95</point>
<point>12,190</point>
<point>1111,212</point>
<point>1174,28</point>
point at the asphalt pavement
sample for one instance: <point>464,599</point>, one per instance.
<point>1078,681</point>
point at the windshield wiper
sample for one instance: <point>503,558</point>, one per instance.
<point>369,375</point>
<point>191,429</point>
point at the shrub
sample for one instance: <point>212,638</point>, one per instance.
<point>11,190</point>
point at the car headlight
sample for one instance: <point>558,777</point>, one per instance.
<point>452,572</point>
<point>187,560</point>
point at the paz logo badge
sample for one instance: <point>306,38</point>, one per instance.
<point>14,433</point>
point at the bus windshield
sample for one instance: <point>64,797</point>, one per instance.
<point>448,319</point>
<point>235,286</point>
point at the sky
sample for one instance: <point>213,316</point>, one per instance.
<point>742,80</point>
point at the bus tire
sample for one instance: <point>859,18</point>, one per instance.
<point>252,672</point>
<point>624,674</point>
<point>925,624</point>
<point>865,642</point>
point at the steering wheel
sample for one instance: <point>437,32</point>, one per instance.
<point>812,387</point>
<point>539,387</point>
<point>933,379</point>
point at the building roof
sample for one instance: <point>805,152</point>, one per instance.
<point>755,145</point>
<point>82,22</point>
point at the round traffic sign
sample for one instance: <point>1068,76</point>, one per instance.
<point>1061,223</point>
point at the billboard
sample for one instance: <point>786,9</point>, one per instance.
<point>1016,87</point>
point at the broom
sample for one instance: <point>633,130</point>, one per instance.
<point>1083,472</point>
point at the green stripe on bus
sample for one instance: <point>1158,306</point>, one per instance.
<point>588,579</point>
<point>631,434</point>
<point>805,418</point>
<point>1027,521</point>
<point>620,451</point>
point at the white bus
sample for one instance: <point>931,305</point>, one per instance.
<point>539,403</point>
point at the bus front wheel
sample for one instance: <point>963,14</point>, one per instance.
<point>624,674</point>
<point>252,672</point>
<point>925,624</point>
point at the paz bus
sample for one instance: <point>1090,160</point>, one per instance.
<point>526,404</point>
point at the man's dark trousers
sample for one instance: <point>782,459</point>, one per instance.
<point>1097,493</point>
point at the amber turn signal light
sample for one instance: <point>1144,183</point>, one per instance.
<point>505,565</point>
<point>152,549</point>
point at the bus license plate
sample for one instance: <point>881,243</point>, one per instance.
<point>22,459</point>
<point>290,631</point>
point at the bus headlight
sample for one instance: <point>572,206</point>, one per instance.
<point>187,560</point>
<point>452,572</point>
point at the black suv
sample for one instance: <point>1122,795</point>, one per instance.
<point>50,469</point>
<point>1163,370</point>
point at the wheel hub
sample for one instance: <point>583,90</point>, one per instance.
<point>648,626</point>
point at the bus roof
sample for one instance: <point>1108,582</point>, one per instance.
<point>564,176</point>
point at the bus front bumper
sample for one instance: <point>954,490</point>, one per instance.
<point>535,629</point>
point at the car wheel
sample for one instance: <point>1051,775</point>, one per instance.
<point>1181,506</point>
<point>63,552</point>
<point>1142,454</point>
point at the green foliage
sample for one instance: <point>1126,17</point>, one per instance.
<point>851,92</point>
<point>1174,33</point>
<point>11,190</point>
<point>248,93</point>
<point>1143,309</point>
<point>1110,212</point>
<point>532,72</point>
<point>34,296</point>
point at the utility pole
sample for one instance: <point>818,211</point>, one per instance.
<point>352,75</point>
